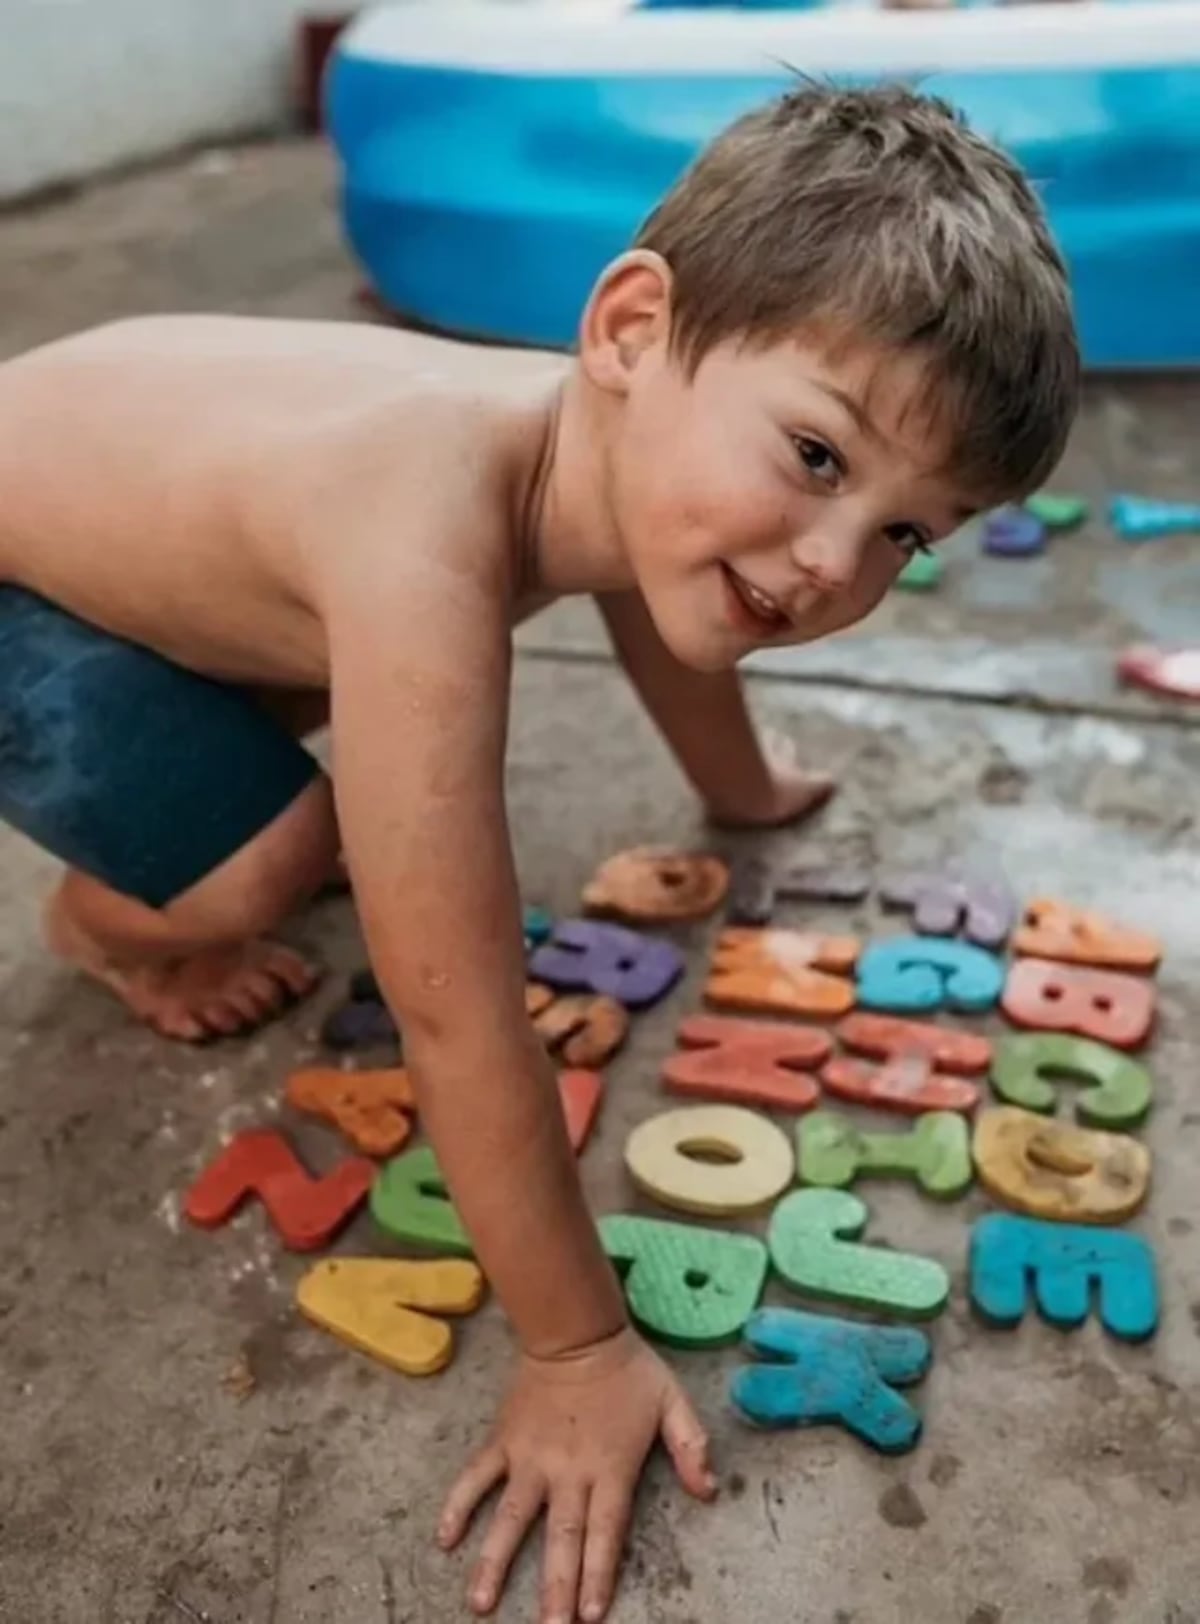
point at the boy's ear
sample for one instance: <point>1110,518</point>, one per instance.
<point>628,313</point>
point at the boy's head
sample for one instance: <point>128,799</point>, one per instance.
<point>843,331</point>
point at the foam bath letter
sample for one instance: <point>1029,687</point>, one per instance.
<point>370,1107</point>
<point>781,972</point>
<point>1055,1170</point>
<point>580,1093</point>
<point>747,1062</point>
<point>942,904</point>
<point>832,1370</point>
<point>1116,1089</point>
<point>650,883</point>
<point>409,1203</point>
<point>756,1159</point>
<point>757,887</point>
<point>920,972</point>
<point>381,1306</point>
<point>361,1023</point>
<point>909,1050</point>
<point>936,1151</point>
<point>585,955</point>
<point>1095,1004</point>
<point>306,1211</point>
<point>1063,1263</point>
<point>582,1029</point>
<point>1056,930</point>
<point>536,925</point>
<point>694,1287</point>
<point>808,1249</point>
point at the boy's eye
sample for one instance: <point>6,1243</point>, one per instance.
<point>909,538</point>
<point>817,458</point>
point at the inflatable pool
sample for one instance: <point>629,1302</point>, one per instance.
<point>495,155</point>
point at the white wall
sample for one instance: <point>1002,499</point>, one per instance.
<point>89,84</point>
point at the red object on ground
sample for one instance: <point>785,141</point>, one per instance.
<point>306,1211</point>
<point>1163,671</point>
<point>580,1093</point>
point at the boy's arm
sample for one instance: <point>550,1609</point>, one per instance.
<point>704,718</point>
<point>419,687</point>
<point>419,710</point>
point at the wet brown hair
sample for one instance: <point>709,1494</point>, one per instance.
<point>876,215</point>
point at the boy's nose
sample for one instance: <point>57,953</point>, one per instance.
<point>828,560</point>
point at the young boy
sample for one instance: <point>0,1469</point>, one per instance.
<point>842,333</point>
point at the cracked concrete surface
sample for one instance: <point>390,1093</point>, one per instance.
<point>1058,1481</point>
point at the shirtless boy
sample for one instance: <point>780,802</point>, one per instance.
<point>843,332</point>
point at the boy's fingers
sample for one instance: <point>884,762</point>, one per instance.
<point>687,1445</point>
<point>565,1525</point>
<point>518,1509</point>
<point>478,1479</point>
<point>607,1521</point>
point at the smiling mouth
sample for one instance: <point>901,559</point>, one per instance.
<point>762,614</point>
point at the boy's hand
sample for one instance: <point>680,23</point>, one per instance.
<point>784,794</point>
<point>572,1438</point>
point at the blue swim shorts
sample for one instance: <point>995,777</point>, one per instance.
<point>118,762</point>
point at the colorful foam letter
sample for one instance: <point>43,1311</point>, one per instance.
<point>1140,518</point>
<point>409,1203</point>
<point>651,884</point>
<point>382,1307</point>
<point>1117,1090</point>
<point>1013,532</point>
<point>936,1151</point>
<point>911,973</point>
<point>1058,510</point>
<point>781,972</point>
<point>585,955</point>
<point>581,1093</point>
<point>757,886</point>
<point>910,1050</point>
<point>944,904</point>
<point>536,925</point>
<point>756,1160</point>
<point>1095,1004</point>
<point>1063,1263</point>
<point>808,1248</point>
<point>747,1062</point>
<point>1056,1170</point>
<point>691,1286</point>
<point>370,1107</point>
<point>831,1370</point>
<point>1057,930</point>
<point>306,1211</point>
<point>582,1029</point>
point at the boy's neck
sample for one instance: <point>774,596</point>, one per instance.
<point>570,539</point>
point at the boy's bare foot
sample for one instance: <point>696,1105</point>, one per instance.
<point>790,793</point>
<point>211,992</point>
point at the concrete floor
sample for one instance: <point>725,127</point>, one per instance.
<point>1058,1481</point>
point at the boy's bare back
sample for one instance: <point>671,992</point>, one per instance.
<point>198,483</point>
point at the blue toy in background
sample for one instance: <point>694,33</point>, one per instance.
<point>1142,518</point>
<point>495,157</point>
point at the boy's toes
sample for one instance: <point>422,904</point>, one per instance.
<point>223,1018</point>
<point>173,1021</point>
<point>287,969</point>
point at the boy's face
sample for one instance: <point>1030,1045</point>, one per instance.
<point>774,497</point>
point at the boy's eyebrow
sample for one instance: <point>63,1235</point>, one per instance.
<point>850,404</point>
